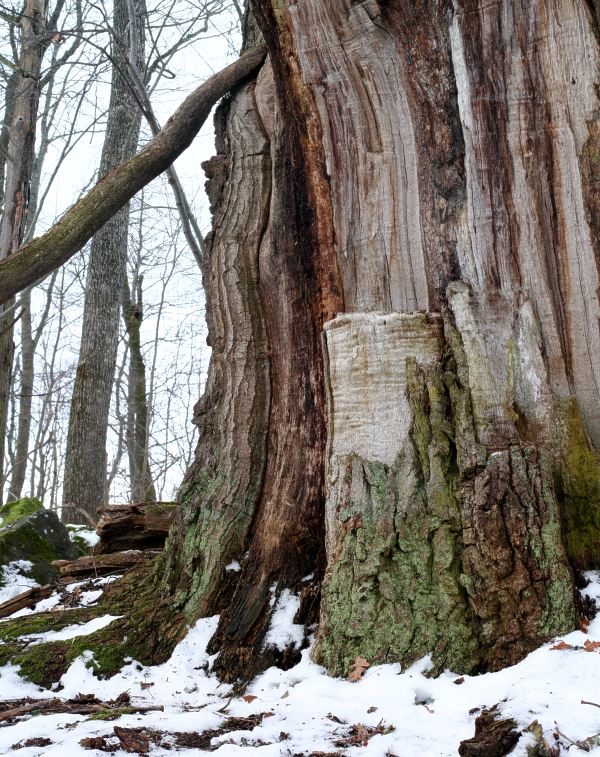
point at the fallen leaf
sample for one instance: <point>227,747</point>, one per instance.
<point>584,624</point>
<point>591,646</point>
<point>562,645</point>
<point>458,681</point>
<point>357,669</point>
<point>372,709</point>
<point>249,698</point>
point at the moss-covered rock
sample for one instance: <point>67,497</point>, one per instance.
<point>11,512</point>
<point>39,537</point>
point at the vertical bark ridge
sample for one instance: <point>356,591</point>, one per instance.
<point>299,290</point>
<point>537,65</point>
<point>221,490</point>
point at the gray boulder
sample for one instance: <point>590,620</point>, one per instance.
<point>39,537</point>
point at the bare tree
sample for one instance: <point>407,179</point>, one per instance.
<point>25,91</point>
<point>86,463</point>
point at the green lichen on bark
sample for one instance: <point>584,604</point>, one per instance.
<point>578,487</point>
<point>393,591</point>
<point>453,550</point>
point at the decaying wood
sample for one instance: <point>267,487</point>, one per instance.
<point>494,737</point>
<point>102,565</point>
<point>27,599</point>
<point>81,705</point>
<point>135,526</point>
<point>82,221</point>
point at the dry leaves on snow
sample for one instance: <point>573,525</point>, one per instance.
<point>357,669</point>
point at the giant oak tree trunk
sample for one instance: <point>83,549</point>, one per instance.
<point>402,295</point>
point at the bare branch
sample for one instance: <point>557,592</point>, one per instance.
<point>83,219</point>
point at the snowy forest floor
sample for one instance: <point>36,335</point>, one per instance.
<point>303,711</point>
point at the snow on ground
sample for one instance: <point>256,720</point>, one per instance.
<point>308,711</point>
<point>15,579</point>
<point>71,632</point>
<point>89,535</point>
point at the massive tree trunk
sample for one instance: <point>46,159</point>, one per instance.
<point>85,484</point>
<point>402,293</point>
<point>397,435</point>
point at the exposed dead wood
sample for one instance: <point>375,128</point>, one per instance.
<point>102,565</point>
<point>27,599</point>
<point>138,740</point>
<point>493,737</point>
<point>136,526</point>
<point>80,705</point>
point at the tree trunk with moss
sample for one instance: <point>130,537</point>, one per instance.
<point>398,435</point>
<point>402,290</point>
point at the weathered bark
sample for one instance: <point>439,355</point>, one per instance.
<point>137,526</point>
<point>27,599</point>
<point>25,91</point>
<point>102,565</point>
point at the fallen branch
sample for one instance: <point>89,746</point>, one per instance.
<point>102,565</point>
<point>79,224</point>
<point>27,599</point>
<point>82,705</point>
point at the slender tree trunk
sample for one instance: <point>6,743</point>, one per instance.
<point>85,484</point>
<point>19,166</point>
<point>25,400</point>
<point>142,486</point>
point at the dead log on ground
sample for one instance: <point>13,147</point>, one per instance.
<point>27,599</point>
<point>81,705</point>
<point>102,565</point>
<point>136,526</point>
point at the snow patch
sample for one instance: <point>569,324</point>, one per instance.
<point>89,536</point>
<point>71,632</point>
<point>283,632</point>
<point>14,580</point>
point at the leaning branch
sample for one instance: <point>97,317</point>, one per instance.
<point>79,224</point>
